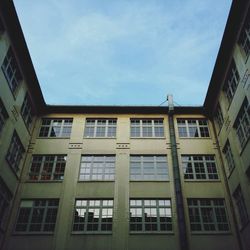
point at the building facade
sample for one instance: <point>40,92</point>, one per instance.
<point>108,177</point>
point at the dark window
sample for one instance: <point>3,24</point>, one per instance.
<point>27,111</point>
<point>3,115</point>
<point>244,40</point>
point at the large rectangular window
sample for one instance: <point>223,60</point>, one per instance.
<point>15,152</point>
<point>242,123</point>
<point>47,167</point>
<point>11,71</point>
<point>244,40</point>
<point>199,167</point>
<point>208,215</point>
<point>148,167</point>
<point>146,128</point>
<point>56,127</point>
<point>231,81</point>
<point>93,215</point>
<point>193,127</point>
<point>219,116</point>
<point>35,216</point>
<point>5,198</point>
<point>229,156</point>
<point>241,206</point>
<point>150,215</point>
<point>3,115</point>
<point>100,128</point>
<point>97,167</point>
<point>27,111</point>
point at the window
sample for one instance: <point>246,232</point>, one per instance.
<point>199,167</point>
<point>193,128</point>
<point>219,116</point>
<point>208,215</point>
<point>242,123</point>
<point>100,128</point>
<point>37,215</point>
<point>5,198</point>
<point>229,156</point>
<point>3,115</point>
<point>97,167</point>
<point>11,71</point>
<point>231,82</point>
<point>148,167</point>
<point>241,206</point>
<point>150,215</point>
<point>15,152</point>
<point>244,40</point>
<point>47,167</point>
<point>26,111</point>
<point>56,127</point>
<point>93,215</point>
<point>146,128</point>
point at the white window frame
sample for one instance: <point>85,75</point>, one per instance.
<point>219,116</point>
<point>231,82</point>
<point>27,110</point>
<point>201,219</point>
<point>15,152</point>
<point>102,209</point>
<point>156,172</point>
<point>227,151</point>
<point>242,123</point>
<point>203,164</point>
<point>33,208</point>
<point>97,167</point>
<point>56,123</point>
<point>190,123</point>
<point>157,208</point>
<point>142,125</point>
<point>11,71</point>
<point>108,125</point>
<point>41,162</point>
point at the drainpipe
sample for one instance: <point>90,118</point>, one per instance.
<point>177,178</point>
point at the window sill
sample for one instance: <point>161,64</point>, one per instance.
<point>151,232</point>
<point>211,233</point>
<point>92,233</point>
<point>91,181</point>
<point>230,172</point>
<point>154,138</point>
<point>244,146</point>
<point>45,181</point>
<point>149,181</point>
<point>99,138</point>
<point>202,181</point>
<point>196,138</point>
<point>33,233</point>
<point>53,137</point>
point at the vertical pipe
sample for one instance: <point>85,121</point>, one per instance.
<point>177,185</point>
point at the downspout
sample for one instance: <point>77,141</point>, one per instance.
<point>177,178</point>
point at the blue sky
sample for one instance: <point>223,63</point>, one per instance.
<point>123,52</point>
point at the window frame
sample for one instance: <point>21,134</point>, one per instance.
<point>3,116</point>
<point>202,219</point>
<point>142,206</point>
<point>96,123</point>
<point>231,82</point>
<point>99,210</point>
<point>228,154</point>
<point>12,71</point>
<point>142,161</point>
<point>43,164</point>
<point>15,151</point>
<point>142,127</point>
<point>205,162</point>
<point>63,123</point>
<point>103,168</point>
<point>27,111</point>
<point>190,123</point>
<point>242,124</point>
<point>219,117</point>
<point>32,207</point>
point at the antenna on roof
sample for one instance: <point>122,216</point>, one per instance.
<point>170,102</point>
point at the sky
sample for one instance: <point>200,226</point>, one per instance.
<point>123,52</point>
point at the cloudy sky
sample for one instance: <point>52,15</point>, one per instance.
<point>123,52</point>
